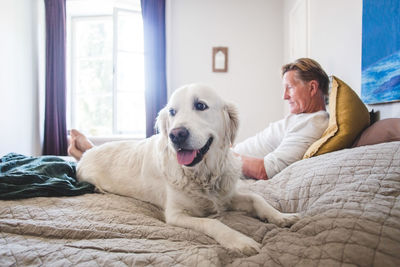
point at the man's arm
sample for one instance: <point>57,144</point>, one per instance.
<point>253,167</point>
<point>298,134</point>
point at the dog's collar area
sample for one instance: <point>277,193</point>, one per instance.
<point>199,153</point>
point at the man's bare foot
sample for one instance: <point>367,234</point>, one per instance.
<point>82,142</point>
<point>78,144</point>
<point>73,151</point>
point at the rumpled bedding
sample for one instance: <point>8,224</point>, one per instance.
<point>23,177</point>
<point>349,202</point>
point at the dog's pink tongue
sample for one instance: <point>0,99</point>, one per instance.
<point>186,157</point>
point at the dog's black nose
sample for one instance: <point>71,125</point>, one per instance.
<point>179,135</point>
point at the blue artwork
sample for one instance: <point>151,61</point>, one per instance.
<point>380,51</point>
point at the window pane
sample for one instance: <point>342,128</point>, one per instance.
<point>130,31</point>
<point>130,75</point>
<point>130,94</point>
<point>130,72</point>
<point>94,97</point>
<point>93,75</point>
<point>132,116</point>
<point>94,36</point>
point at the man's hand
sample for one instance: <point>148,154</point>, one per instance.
<point>253,167</point>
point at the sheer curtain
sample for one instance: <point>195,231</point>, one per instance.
<point>55,130</point>
<point>153,12</point>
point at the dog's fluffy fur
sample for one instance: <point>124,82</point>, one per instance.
<point>162,169</point>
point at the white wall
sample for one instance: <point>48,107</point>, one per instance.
<point>335,41</point>
<point>253,32</point>
<point>18,78</point>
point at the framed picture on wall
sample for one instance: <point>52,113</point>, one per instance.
<point>220,59</point>
<point>380,51</point>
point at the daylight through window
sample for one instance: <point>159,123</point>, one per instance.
<point>106,69</point>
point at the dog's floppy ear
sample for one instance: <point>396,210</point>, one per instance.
<point>161,122</point>
<point>231,120</point>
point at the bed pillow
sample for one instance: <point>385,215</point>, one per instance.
<point>348,117</point>
<point>387,130</point>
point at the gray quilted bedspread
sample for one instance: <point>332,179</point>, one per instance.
<point>349,201</point>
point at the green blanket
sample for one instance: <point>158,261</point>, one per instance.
<point>45,176</point>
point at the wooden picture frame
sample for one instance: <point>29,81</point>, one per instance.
<point>220,59</point>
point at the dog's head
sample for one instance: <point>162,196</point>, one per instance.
<point>198,124</point>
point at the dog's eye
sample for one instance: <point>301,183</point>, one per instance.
<point>172,112</point>
<point>200,106</point>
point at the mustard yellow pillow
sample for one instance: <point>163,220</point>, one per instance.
<point>348,118</point>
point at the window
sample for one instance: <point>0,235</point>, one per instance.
<point>106,68</point>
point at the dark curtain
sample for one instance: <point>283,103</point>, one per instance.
<point>55,129</point>
<point>153,12</point>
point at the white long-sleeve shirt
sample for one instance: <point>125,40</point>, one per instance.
<point>285,141</point>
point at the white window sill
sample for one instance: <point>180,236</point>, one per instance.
<point>99,140</point>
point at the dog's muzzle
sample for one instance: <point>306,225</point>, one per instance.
<point>185,156</point>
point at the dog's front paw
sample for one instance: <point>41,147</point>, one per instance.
<point>286,219</point>
<point>241,243</point>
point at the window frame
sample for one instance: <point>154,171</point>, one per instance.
<point>72,75</point>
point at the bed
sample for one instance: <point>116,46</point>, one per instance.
<point>349,201</point>
<point>346,189</point>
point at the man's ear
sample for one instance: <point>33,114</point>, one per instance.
<point>314,85</point>
<point>231,121</point>
<point>161,124</point>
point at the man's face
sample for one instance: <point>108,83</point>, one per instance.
<point>297,93</point>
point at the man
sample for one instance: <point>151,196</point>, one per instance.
<point>283,142</point>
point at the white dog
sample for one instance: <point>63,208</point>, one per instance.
<point>187,169</point>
